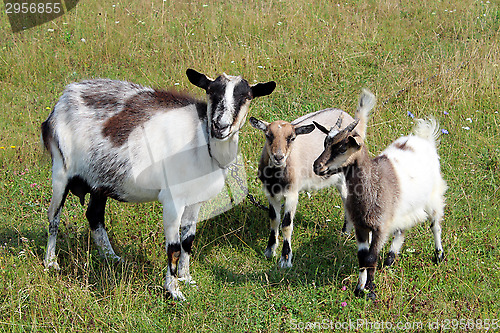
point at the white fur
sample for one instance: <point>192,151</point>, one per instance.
<point>418,172</point>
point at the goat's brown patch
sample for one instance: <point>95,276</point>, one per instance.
<point>98,100</point>
<point>403,146</point>
<point>138,109</point>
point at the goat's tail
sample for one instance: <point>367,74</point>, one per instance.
<point>367,101</point>
<point>49,140</point>
<point>427,129</point>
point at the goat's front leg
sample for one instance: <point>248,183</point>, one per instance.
<point>171,223</point>
<point>367,257</point>
<point>188,231</point>
<point>274,217</point>
<point>291,201</point>
<point>342,188</point>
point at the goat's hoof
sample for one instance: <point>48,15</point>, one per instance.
<point>113,258</point>
<point>365,293</point>
<point>177,295</point>
<point>438,256</point>
<point>51,264</point>
<point>172,287</point>
<point>346,231</point>
<point>391,257</point>
<point>286,262</point>
<point>347,227</point>
<point>188,281</point>
<point>270,252</point>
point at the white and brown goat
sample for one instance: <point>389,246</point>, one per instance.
<point>286,168</point>
<point>136,144</point>
<point>387,194</point>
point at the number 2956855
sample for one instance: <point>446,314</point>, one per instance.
<point>33,8</point>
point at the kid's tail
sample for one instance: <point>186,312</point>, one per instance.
<point>367,101</point>
<point>427,129</point>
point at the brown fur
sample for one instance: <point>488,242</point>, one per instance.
<point>97,100</point>
<point>279,134</point>
<point>373,191</point>
<point>137,110</point>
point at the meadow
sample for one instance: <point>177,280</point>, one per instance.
<point>426,58</point>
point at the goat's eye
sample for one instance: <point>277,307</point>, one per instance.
<point>290,139</point>
<point>342,149</point>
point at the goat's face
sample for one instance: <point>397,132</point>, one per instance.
<point>280,136</point>
<point>341,148</point>
<point>228,101</point>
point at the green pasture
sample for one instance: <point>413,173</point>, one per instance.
<point>425,58</point>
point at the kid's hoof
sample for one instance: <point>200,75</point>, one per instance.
<point>189,281</point>
<point>52,264</point>
<point>347,227</point>
<point>438,256</point>
<point>113,258</point>
<point>391,257</point>
<point>177,296</point>
<point>365,293</point>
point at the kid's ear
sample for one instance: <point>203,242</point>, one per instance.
<point>306,129</point>
<point>355,140</point>
<point>321,128</point>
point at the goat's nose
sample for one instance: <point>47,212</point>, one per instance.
<point>318,168</point>
<point>218,130</point>
<point>220,127</point>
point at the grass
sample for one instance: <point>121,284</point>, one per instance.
<point>424,58</point>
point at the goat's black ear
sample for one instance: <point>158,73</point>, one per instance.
<point>263,89</point>
<point>198,79</point>
<point>321,128</point>
<point>306,129</point>
<point>258,124</point>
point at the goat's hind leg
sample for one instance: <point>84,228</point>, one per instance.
<point>95,216</point>
<point>274,217</point>
<point>435,210</point>
<point>59,194</point>
<point>188,231</point>
<point>436,219</point>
